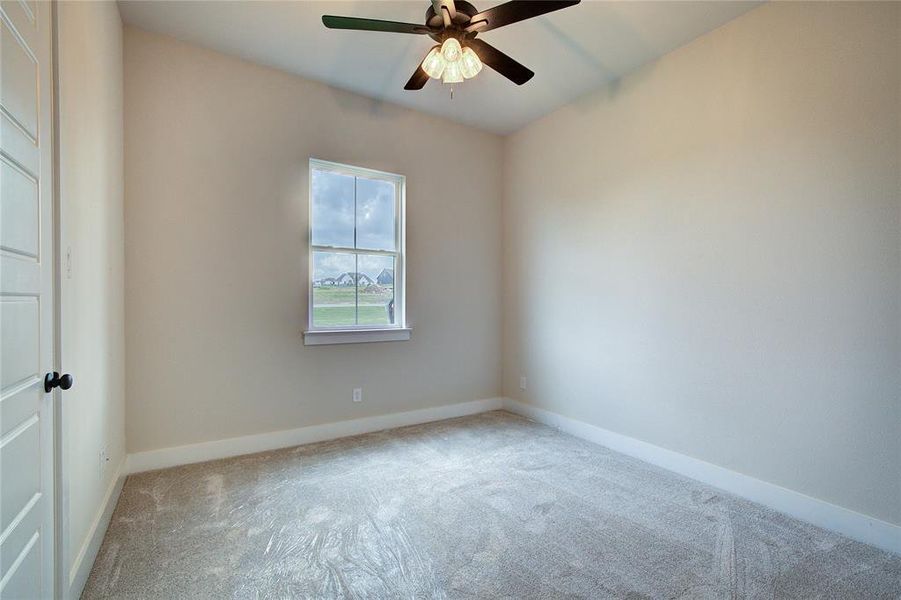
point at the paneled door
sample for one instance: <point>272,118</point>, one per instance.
<point>26,301</point>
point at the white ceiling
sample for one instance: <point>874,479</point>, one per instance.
<point>572,51</point>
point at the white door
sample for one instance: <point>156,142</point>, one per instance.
<point>26,301</point>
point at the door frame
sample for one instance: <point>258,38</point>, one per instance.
<point>60,479</point>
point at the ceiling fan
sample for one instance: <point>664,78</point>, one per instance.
<point>454,24</point>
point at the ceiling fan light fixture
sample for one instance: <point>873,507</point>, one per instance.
<point>470,65</point>
<point>434,63</point>
<point>452,73</point>
<point>451,23</point>
<point>451,50</point>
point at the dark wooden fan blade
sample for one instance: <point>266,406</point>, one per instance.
<point>418,80</point>
<point>513,12</point>
<point>358,24</point>
<point>500,62</point>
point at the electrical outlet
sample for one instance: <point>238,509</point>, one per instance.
<point>522,383</point>
<point>358,394</point>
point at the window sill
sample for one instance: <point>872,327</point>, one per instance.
<point>356,336</point>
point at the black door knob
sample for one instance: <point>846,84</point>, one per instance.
<point>52,380</point>
<point>66,381</point>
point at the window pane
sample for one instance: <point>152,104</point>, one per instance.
<point>375,214</point>
<point>333,209</point>
<point>334,289</point>
<point>375,290</point>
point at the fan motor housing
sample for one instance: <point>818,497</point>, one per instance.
<point>465,11</point>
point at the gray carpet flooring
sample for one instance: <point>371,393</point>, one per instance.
<point>489,506</point>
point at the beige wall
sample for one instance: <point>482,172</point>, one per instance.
<point>216,250</point>
<point>707,254</point>
<point>92,294</point>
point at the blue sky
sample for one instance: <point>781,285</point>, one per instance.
<point>333,222</point>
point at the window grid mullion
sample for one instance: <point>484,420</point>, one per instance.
<point>356,289</point>
<point>343,250</point>
<point>356,262</point>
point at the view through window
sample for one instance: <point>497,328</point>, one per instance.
<point>356,245</point>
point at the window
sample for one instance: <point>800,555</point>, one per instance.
<point>356,255</point>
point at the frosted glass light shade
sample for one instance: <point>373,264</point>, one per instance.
<point>451,50</point>
<point>470,65</point>
<point>452,73</point>
<point>434,63</point>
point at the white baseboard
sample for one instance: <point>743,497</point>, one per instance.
<point>812,510</point>
<point>194,453</point>
<point>81,566</point>
<point>817,512</point>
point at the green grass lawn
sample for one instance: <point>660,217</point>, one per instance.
<point>333,306</point>
<point>336,316</point>
<point>345,295</point>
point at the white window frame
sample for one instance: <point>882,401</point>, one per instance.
<point>399,331</point>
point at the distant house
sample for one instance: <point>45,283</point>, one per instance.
<point>326,281</point>
<point>386,277</point>
<point>352,278</point>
